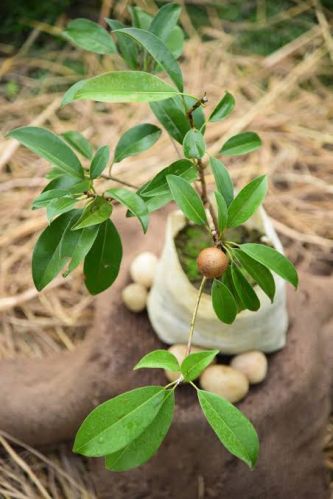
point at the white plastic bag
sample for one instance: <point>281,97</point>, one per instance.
<point>172,300</point>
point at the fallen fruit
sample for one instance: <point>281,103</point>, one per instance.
<point>252,364</point>
<point>225,382</point>
<point>135,297</point>
<point>143,268</point>
<point>212,262</point>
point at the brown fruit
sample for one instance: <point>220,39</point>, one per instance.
<point>212,262</point>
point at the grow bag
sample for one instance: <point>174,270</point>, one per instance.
<point>172,300</point>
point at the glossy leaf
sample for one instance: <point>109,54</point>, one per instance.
<point>159,186</point>
<point>84,243</point>
<point>140,18</point>
<point>171,113</point>
<point>246,293</point>
<point>159,359</point>
<point>227,280</point>
<point>133,202</point>
<point>223,302</point>
<point>121,86</point>
<point>222,179</point>
<point>58,206</point>
<point>94,213</point>
<point>100,161</point>
<point>140,450</point>
<point>135,140</point>
<point>102,263</point>
<point>224,108</point>
<point>165,20</point>
<point>187,199</point>
<point>79,143</point>
<point>258,272</point>
<point>247,201</point>
<point>241,143</point>
<point>175,42</point>
<point>49,146</point>
<point>232,428</point>
<point>54,246</point>
<point>222,211</point>
<point>273,260</point>
<point>46,197</point>
<point>157,202</point>
<point>194,144</point>
<point>159,52</point>
<point>127,47</point>
<point>63,182</point>
<point>80,187</point>
<point>119,421</point>
<point>193,365</point>
<point>90,36</point>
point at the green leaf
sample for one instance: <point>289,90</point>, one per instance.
<point>227,280</point>
<point>137,139</point>
<point>140,18</point>
<point>157,202</point>
<point>242,143</point>
<point>187,199</point>
<point>159,186</point>
<point>133,202</point>
<point>46,196</point>
<point>84,243</point>
<point>222,179</point>
<point>171,113</point>
<point>117,422</point>
<point>194,144</point>
<point>54,246</point>
<point>58,206</point>
<point>223,109</point>
<point>244,290</point>
<point>247,201</point>
<point>126,47</point>
<point>79,143</point>
<point>90,36</point>
<point>80,187</point>
<point>175,42</point>
<point>273,260</point>
<point>102,263</point>
<point>99,162</point>
<point>193,365</point>
<point>64,182</point>
<point>232,428</point>
<point>165,20</point>
<point>258,272</point>
<point>49,146</point>
<point>159,359</point>
<point>140,450</point>
<point>94,213</point>
<point>222,211</point>
<point>159,52</point>
<point>121,86</point>
<point>223,302</point>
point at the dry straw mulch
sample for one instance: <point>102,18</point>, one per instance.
<point>281,96</point>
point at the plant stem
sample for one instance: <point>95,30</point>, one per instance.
<point>119,181</point>
<point>201,168</point>
<point>205,199</point>
<point>194,317</point>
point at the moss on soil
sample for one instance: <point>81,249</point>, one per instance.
<point>194,238</point>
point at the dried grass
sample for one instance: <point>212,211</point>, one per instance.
<point>281,96</point>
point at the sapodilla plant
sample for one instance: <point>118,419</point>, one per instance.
<point>129,429</point>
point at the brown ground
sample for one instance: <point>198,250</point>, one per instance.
<point>281,97</point>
